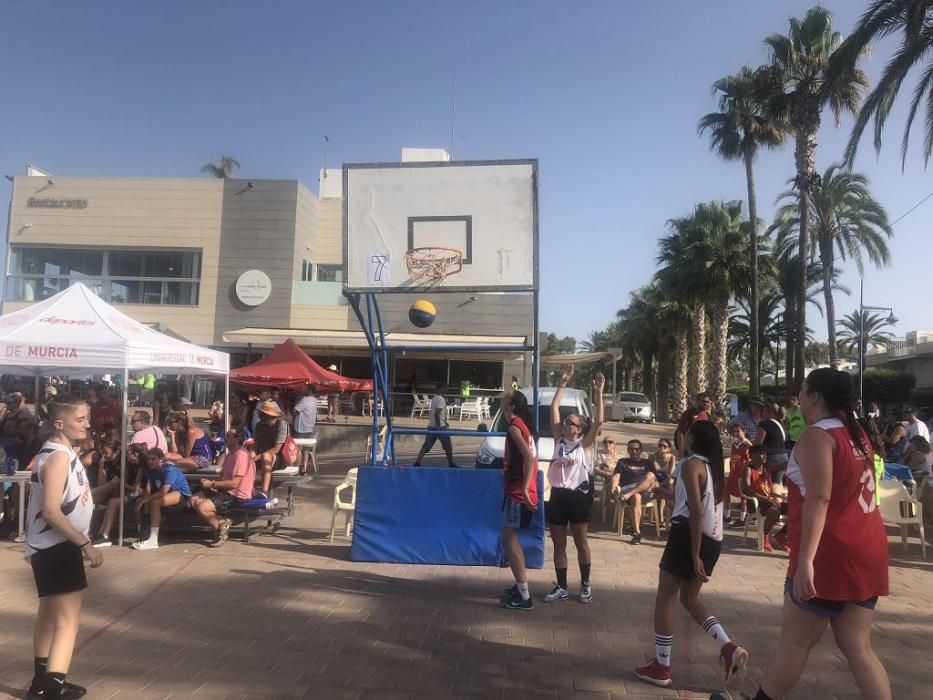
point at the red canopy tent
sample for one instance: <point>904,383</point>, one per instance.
<point>289,367</point>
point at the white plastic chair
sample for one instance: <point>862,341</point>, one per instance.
<point>382,444</point>
<point>348,507</point>
<point>470,407</point>
<point>366,412</point>
<point>654,507</point>
<point>484,407</point>
<point>418,405</point>
<point>898,507</point>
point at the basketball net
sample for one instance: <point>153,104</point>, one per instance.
<point>432,265</point>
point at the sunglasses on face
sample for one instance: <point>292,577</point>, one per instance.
<point>662,446</point>
<point>634,449</point>
<point>570,421</point>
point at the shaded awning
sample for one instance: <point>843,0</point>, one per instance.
<point>288,367</point>
<point>580,358</point>
<point>356,339</point>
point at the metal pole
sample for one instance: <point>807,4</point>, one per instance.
<point>861,340</point>
<point>126,406</point>
<point>535,361</point>
<point>615,367</point>
<point>226,404</point>
<point>36,389</point>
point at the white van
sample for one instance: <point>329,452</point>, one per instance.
<point>492,450</point>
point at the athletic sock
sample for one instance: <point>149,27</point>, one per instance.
<point>523,590</point>
<point>584,573</point>
<point>561,577</point>
<point>154,534</point>
<point>762,695</point>
<point>662,648</point>
<point>41,664</point>
<point>715,630</point>
<point>54,684</point>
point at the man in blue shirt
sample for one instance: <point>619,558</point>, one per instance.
<point>166,486</point>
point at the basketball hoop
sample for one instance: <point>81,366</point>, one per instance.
<point>432,265</point>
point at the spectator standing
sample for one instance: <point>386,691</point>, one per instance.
<point>42,406</point>
<point>520,477</point>
<point>105,413</point>
<point>750,418</point>
<point>254,418</point>
<point>333,401</point>
<point>305,420</point>
<point>570,475</point>
<point>795,421</point>
<point>268,438</point>
<point>703,410</point>
<point>437,420</point>
<point>915,426</point>
<point>16,413</point>
<point>838,547</point>
<point>633,484</point>
<point>773,437</point>
<point>895,438</point>
<point>145,433</point>
<point>515,385</point>
<point>166,486</point>
<point>692,550</point>
<point>56,543</point>
<point>233,488</point>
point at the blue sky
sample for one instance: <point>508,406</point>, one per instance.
<point>605,94</point>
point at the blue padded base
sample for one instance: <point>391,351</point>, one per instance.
<point>425,515</point>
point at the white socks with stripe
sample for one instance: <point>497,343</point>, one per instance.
<point>662,648</point>
<point>715,630</point>
<point>523,590</point>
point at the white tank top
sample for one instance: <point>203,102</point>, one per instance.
<point>77,504</point>
<point>570,467</point>
<point>712,511</point>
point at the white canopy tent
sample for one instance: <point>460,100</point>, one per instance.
<point>77,332</point>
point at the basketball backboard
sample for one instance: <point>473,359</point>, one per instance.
<point>485,210</point>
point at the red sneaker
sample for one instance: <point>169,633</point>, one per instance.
<point>734,660</point>
<point>655,673</point>
<point>766,545</point>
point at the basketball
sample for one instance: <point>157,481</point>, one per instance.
<point>422,313</point>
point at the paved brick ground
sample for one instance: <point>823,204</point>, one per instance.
<point>313,624</point>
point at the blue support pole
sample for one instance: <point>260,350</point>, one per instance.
<point>389,448</point>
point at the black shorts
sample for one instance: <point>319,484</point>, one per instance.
<point>568,506</point>
<point>58,569</point>
<point>764,506</point>
<point>678,552</point>
<point>429,441</point>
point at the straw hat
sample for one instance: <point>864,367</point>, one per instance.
<point>51,391</point>
<point>270,408</point>
<point>333,368</point>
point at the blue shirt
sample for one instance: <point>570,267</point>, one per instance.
<point>171,475</point>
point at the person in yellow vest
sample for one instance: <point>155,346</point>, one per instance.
<point>795,421</point>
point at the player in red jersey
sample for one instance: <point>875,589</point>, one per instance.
<point>520,474</point>
<point>839,549</point>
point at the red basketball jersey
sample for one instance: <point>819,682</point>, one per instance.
<point>851,562</point>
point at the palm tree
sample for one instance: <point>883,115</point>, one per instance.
<point>874,331</point>
<point>707,258</point>
<point>800,76</point>
<point>683,284</point>
<point>639,332</point>
<point>674,314</point>
<point>913,20</point>
<point>770,329</point>
<point>223,168</point>
<point>742,125</point>
<point>844,219</point>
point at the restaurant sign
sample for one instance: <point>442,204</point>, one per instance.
<point>55,203</point>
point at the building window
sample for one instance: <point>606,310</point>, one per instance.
<point>163,277</point>
<point>307,271</point>
<point>330,273</point>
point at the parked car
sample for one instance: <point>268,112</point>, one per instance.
<point>629,406</point>
<point>492,450</point>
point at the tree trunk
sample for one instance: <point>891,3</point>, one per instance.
<point>696,370</point>
<point>790,314</point>
<point>720,361</point>
<point>681,360</point>
<point>806,125</point>
<point>665,371</point>
<point>754,350</point>
<point>826,257</point>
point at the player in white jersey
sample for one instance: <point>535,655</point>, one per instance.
<point>59,516</point>
<point>691,552</point>
<point>570,475</point>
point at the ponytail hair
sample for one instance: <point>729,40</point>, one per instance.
<point>835,388</point>
<point>704,440</point>
<point>521,410</point>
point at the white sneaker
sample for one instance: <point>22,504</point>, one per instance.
<point>586,593</point>
<point>146,544</point>
<point>557,595</point>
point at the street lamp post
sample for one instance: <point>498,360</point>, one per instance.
<point>862,308</point>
